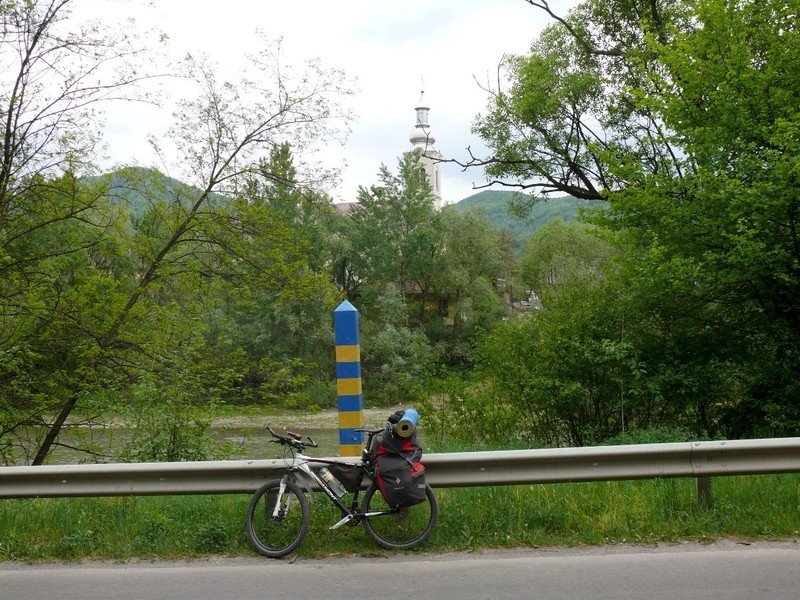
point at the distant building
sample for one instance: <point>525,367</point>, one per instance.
<point>344,207</point>
<point>422,139</point>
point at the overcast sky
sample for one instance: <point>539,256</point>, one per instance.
<point>387,46</point>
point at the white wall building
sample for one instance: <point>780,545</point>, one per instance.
<point>421,138</point>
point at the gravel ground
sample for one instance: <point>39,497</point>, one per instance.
<point>373,417</point>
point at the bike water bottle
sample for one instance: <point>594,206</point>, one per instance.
<point>336,486</point>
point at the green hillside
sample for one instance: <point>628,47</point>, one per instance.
<point>494,204</point>
<point>141,188</point>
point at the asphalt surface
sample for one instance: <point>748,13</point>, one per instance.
<point>725,570</point>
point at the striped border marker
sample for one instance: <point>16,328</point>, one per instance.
<point>348,379</point>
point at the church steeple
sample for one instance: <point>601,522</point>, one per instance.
<point>422,138</point>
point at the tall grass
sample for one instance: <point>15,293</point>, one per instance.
<point>761,507</point>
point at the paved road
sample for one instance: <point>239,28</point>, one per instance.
<point>727,570</point>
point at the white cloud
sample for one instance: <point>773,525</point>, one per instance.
<point>387,45</point>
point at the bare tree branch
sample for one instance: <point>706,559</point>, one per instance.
<point>585,44</point>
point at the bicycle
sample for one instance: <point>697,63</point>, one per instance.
<point>278,516</point>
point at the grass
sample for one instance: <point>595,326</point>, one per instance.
<point>648,512</point>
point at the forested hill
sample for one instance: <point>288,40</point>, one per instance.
<point>141,187</point>
<point>495,205</point>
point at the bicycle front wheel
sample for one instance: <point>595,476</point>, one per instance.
<point>398,528</point>
<point>277,522</point>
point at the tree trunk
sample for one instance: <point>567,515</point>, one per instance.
<point>54,430</point>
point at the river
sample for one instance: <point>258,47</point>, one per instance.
<point>249,436</point>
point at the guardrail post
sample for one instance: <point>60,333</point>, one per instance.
<point>348,379</point>
<point>704,498</point>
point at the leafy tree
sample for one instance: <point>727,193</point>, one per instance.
<point>59,240</point>
<point>92,298</point>
<point>163,419</point>
<point>392,231</point>
<point>737,202</point>
<point>53,83</point>
<point>443,263</point>
<point>58,282</point>
<point>683,117</point>
<point>396,359</point>
<point>473,258</point>
<point>346,266</point>
<point>278,330</point>
<point>559,253</point>
<point>593,365</point>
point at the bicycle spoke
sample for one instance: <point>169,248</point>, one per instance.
<point>277,520</point>
<point>399,528</point>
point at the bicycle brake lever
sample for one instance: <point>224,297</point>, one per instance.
<point>313,443</point>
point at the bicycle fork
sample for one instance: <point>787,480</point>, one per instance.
<point>278,510</point>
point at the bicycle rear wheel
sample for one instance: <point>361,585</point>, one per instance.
<point>277,533</point>
<point>399,528</point>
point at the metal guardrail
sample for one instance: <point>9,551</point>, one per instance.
<point>463,469</point>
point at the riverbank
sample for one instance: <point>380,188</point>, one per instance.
<point>327,419</point>
<point>242,429</point>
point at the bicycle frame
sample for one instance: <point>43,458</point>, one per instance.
<point>349,515</point>
<point>278,514</point>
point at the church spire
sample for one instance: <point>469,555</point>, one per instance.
<point>422,138</point>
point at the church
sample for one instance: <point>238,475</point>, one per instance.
<point>421,139</point>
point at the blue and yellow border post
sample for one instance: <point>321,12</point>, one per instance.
<point>348,379</point>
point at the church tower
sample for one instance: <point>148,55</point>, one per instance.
<point>421,138</point>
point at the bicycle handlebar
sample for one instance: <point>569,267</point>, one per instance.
<point>295,440</point>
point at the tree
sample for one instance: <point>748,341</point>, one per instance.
<point>396,358</point>
<point>472,260</point>
<point>571,371</point>
<point>116,324</point>
<point>575,101</point>
<point>559,253</point>
<point>385,252</point>
<point>54,82</point>
<point>726,231</point>
<point>683,117</point>
<point>59,238</point>
<point>240,123</point>
<point>391,225</point>
<point>596,363</point>
<point>276,325</point>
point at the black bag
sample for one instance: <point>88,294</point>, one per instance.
<point>349,475</point>
<point>401,480</point>
<point>400,474</point>
<point>387,442</point>
<point>391,443</point>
